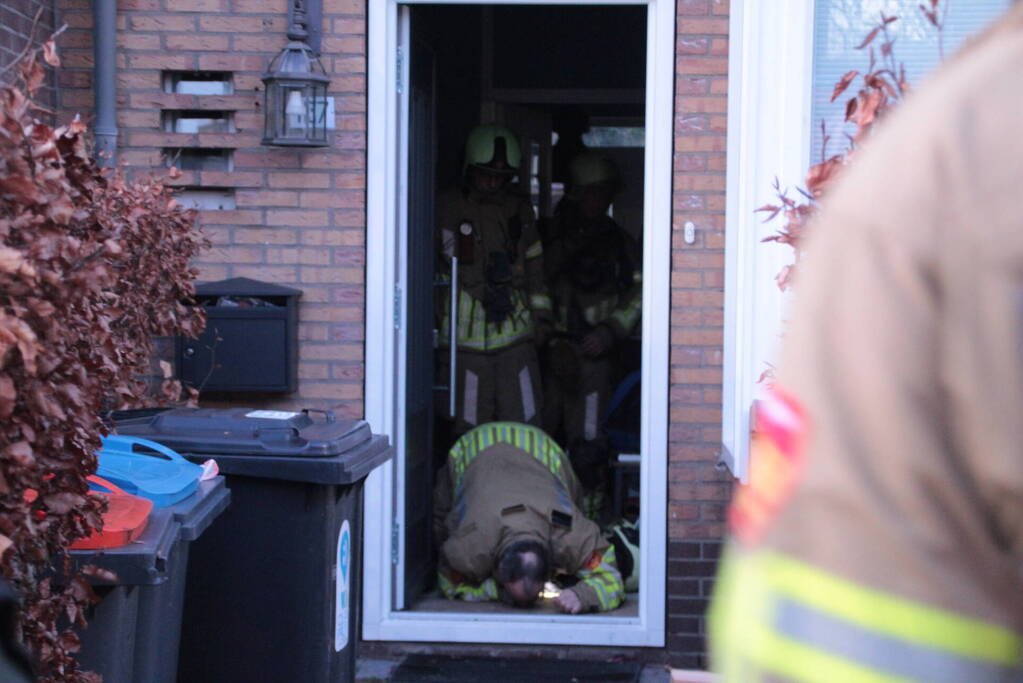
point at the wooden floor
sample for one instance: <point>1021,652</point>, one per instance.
<point>434,602</point>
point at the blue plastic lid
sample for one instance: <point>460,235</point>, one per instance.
<point>147,469</point>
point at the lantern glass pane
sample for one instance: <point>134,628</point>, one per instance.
<point>296,112</point>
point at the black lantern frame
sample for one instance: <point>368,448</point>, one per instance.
<point>295,104</point>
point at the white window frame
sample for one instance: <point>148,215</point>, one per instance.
<point>770,75</point>
<point>384,347</point>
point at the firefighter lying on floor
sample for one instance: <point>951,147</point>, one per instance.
<point>507,519</point>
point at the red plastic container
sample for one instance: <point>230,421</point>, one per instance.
<point>124,521</point>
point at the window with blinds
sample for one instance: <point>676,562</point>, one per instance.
<point>841,25</point>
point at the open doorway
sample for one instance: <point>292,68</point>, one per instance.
<point>435,70</point>
<point>569,83</point>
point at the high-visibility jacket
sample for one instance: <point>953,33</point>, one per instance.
<point>595,274</point>
<point>496,227</point>
<point>506,482</point>
<point>880,536</point>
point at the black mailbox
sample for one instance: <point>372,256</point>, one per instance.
<point>251,338</point>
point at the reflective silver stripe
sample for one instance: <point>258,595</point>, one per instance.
<point>526,388</point>
<point>590,421</point>
<point>882,653</point>
<point>535,249</point>
<point>470,397</point>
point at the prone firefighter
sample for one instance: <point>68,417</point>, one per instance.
<point>502,303</point>
<point>880,536</point>
<point>507,519</point>
<point>594,272</point>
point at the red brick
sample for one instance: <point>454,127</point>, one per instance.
<point>309,370</point>
<point>344,7</point>
<point>298,218</point>
<point>702,65</point>
<point>696,337</point>
<point>233,255</point>
<point>696,25</point>
<point>689,45</point>
<point>330,352</point>
<point>703,105</point>
<point>236,217</point>
<point>147,60</point>
<point>333,238</point>
<point>700,183</point>
<point>265,236</point>
<point>260,6</point>
<point>195,41</point>
<point>333,199</point>
<point>232,62</point>
<point>138,41</point>
<point>299,256</point>
<point>161,22</point>
<point>270,26</point>
<point>198,5</point>
<point>232,178</point>
<point>284,198</point>
<point>279,274</point>
<point>332,274</point>
<point>299,180</point>
<point>259,43</point>
<point>350,25</point>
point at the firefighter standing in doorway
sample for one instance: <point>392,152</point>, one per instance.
<point>880,537</point>
<point>506,519</point>
<point>502,306</point>
<point>594,270</point>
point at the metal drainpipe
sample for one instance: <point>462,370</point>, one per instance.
<point>104,77</point>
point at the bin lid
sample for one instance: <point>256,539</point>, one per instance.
<point>123,522</point>
<point>248,431</point>
<point>148,469</point>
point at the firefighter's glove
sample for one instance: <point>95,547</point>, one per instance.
<point>568,602</point>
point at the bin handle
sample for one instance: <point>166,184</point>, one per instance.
<point>125,444</point>
<point>328,415</point>
<point>111,487</point>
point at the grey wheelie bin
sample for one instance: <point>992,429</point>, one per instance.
<point>134,631</point>
<point>274,587</point>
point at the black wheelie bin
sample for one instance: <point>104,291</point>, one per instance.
<point>273,588</point>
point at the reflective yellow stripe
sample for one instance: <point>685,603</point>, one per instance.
<point>476,334</point>
<point>534,250</point>
<point>888,614</point>
<point>531,439</point>
<point>777,615</point>
<point>540,302</point>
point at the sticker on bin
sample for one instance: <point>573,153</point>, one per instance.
<point>124,521</point>
<point>272,414</point>
<point>148,469</point>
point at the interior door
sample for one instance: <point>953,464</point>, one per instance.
<point>418,470</point>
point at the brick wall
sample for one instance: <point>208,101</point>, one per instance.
<point>300,215</point>
<point>698,491</point>
<point>18,18</point>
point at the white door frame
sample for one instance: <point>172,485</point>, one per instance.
<point>384,384</point>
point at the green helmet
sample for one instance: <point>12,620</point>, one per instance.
<point>494,148</point>
<point>589,168</point>
<point>624,536</point>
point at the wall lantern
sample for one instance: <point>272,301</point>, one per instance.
<point>295,111</point>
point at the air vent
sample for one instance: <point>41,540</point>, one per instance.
<point>196,159</point>
<point>198,121</point>
<point>198,82</point>
<point>206,200</point>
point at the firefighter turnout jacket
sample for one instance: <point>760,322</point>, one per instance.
<point>880,537</point>
<point>506,482</point>
<point>501,291</point>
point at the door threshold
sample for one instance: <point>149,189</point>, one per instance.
<point>436,604</point>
